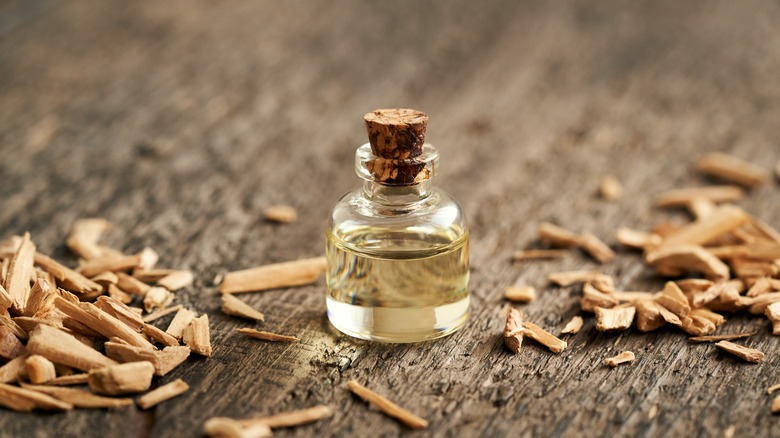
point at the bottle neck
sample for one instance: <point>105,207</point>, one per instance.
<point>396,195</point>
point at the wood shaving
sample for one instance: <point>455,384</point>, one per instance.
<point>740,351</point>
<point>732,169</point>
<point>543,337</point>
<point>523,294</point>
<point>163,393</point>
<point>626,356</point>
<point>287,274</point>
<point>615,319</point>
<point>126,378</point>
<point>513,331</point>
<point>291,418</point>
<point>684,197</point>
<point>715,338</point>
<point>284,214</point>
<point>266,336</point>
<point>386,406</point>
<point>573,326</point>
<point>610,188</point>
<point>234,306</point>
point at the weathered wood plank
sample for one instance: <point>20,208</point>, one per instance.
<point>180,122</point>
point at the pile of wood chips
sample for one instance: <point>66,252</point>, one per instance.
<point>62,327</point>
<point>725,260</point>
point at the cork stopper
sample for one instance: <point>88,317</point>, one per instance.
<point>396,134</point>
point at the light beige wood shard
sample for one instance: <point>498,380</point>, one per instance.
<point>120,311</point>
<point>287,274</point>
<point>592,298</point>
<point>163,360</point>
<point>101,322</point>
<point>38,295</point>
<point>513,330</point>
<point>39,369</point>
<point>772,311</point>
<point>648,315</point>
<point>543,337</point>
<point>557,236</point>
<point>163,393</point>
<point>573,326</point>
<point>234,306</point>
<point>266,336</point>
<point>131,284</point>
<point>80,398</point>
<point>701,231</point>
<point>631,296</point>
<point>13,369</point>
<point>156,297</point>
<point>701,207</point>
<point>761,286</point>
<point>151,275</point>
<point>715,318</point>
<point>684,197</point>
<point>773,388</point>
<point>610,188</point>
<point>626,356</point>
<point>523,294</point>
<point>596,248</point>
<point>732,169</point>
<point>697,325</point>
<point>159,335</point>
<point>84,237</point>
<point>60,347</point>
<point>176,280</point>
<point>73,379</point>
<point>740,351</point>
<point>386,406</point>
<point>757,305</point>
<point>675,300</point>
<point>10,346</point>
<point>179,322</point>
<point>157,314</point>
<point>291,418</point>
<point>66,278</point>
<point>615,319</point>
<point>147,258</point>
<point>637,239</point>
<point>108,263</point>
<point>20,269</point>
<point>280,213</point>
<point>126,378</point>
<point>23,397</point>
<point>220,427</point>
<point>196,336</point>
<point>534,254</point>
<point>715,338</point>
<point>572,277</point>
<point>689,258</point>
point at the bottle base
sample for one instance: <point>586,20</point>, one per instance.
<point>398,325</point>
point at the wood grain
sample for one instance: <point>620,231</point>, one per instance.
<point>180,122</point>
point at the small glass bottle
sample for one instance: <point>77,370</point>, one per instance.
<point>397,248</point>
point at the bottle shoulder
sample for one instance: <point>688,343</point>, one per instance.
<point>438,217</point>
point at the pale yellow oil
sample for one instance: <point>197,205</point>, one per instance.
<point>397,287</point>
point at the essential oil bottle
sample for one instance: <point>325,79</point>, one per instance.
<point>397,247</point>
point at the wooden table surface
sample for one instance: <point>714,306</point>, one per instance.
<point>180,121</point>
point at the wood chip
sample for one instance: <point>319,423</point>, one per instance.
<point>73,379</point>
<point>176,280</point>
<point>163,360</point>
<point>159,335</point>
<point>600,281</point>
<point>123,378</point>
<point>596,248</point>
<point>684,197</point>
<point>626,356</point>
<point>180,321</point>
<point>163,393</point>
<point>234,306</point>
<point>573,326</point>
<point>637,239</point>
<point>535,254</point>
<point>386,406</point>
<point>21,399</point>
<point>675,300</point>
<point>543,337</point>
<point>697,325</point>
<point>715,338</point>
<point>701,208</point>
<point>80,398</point>
<point>631,296</point>
<point>773,311</point>
<point>162,312</point>
<point>761,286</point>
<point>37,297</point>
<point>615,319</point>
<point>39,369</point>
<point>147,258</point>
<point>776,405</point>
<point>5,298</point>
<point>732,169</point>
<point>10,346</point>
<point>156,297</point>
<point>701,231</point>
<point>610,188</point>
<point>513,331</point>
<point>220,427</point>
<point>740,351</point>
<point>292,418</point>
<point>66,278</point>
<point>20,269</point>
<point>101,322</point>
<point>151,275</point>
<point>12,370</point>
<point>523,294</point>
<point>108,263</point>
<point>287,274</point>
<point>120,311</point>
<point>758,305</point>
<point>196,336</point>
<point>773,388</point>
<point>700,299</point>
<point>280,213</point>
<point>557,236</point>
<point>266,336</point>
<point>60,347</point>
<point>689,258</point>
<point>131,284</point>
<point>593,298</point>
<point>84,237</point>
<point>648,315</point>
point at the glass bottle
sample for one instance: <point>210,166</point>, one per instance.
<point>397,247</point>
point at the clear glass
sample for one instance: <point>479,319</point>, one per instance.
<point>397,259</point>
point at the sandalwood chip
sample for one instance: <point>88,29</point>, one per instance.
<point>683,197</point>
<point>513,331</point>
<point>163,393</point>
<point>280,213</point>
<point>97,265</point>
<point>732,169</point>
<point>131,284</point>
<point>123,378</point>
<point>159,335</point>
<point>626,356</point>
<point>156,298</point>
<point>292,418</point>
<point>648,315</point>
<point>637,239</point>
<point>20,269</point>
<point>39,369</point>
<point>521,294</point>
<point>60,347</point>
<point>600,281</point>
<point>266,336</point>
<point>610,188</point>
<point>10,346</point>
<point>295,273</point>
<point>13,370</point>
<point>163,360</point>
<point>675,300</point>
<point>543,337</point>
<point>180,321</point>
<point>196,336</point>
<point>25,400</point>
<point>596,248</point>
<point>157,314</point>
<point>234,306</point>
<point>715,338</point>
<point>740,351</point>
<point>615,319</point>
<point>386,406</point>
<point>534,254</point>
<point>726,218</point>
<point>220,427</point>
<point>593,298</point>
<point>573,326</point>
<point>176,280</point>
<point>80,398</point>
<point>557,236</point>
<point>773,388</point>
<point>73,379</point>
<point>688,258</point>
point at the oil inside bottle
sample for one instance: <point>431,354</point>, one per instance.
<point>397,286</point>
